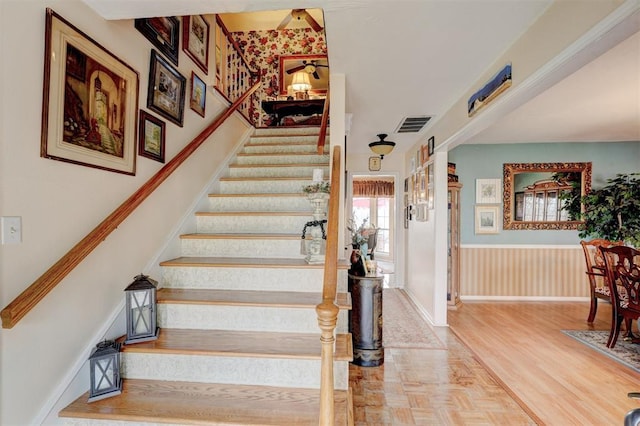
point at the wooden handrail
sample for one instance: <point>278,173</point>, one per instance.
<point>323,124</point>
<point>30,297</point>
<point>327,310</point>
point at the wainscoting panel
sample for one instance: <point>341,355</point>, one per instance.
<point>522,272</point>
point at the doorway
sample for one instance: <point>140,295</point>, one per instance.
<point>373,203</point>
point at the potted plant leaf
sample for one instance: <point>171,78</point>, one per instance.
<point>613,211</point>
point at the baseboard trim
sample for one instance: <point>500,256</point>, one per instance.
<point>522,299</point>
<point>58,394</point>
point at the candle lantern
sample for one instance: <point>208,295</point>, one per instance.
<point>141,310</point>
<point>104,368</point>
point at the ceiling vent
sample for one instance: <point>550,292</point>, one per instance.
<point>412,124</point>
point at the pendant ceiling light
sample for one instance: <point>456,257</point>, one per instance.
<point>382,147</point>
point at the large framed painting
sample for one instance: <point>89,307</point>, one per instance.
<point>166,91</point>
<point>195,40</point>
<point>90,101</point>
<point>163,33</point>
<point>317,66</point>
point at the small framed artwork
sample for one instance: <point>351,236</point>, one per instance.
<point>430,187</point>
<point>487,191</point>
<point>406,185</point>
<point>198,97</point>
<point>422,197</point>
<point>166,91</point>
<point>163,33</point>
<point>195,40</point>
<point>487,219</point>
<point>425,154</point>
<point>151,137</point>
<point>422,214</point>
<point>90,101</point>
<point>431,146</point>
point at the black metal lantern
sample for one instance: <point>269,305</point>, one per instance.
<point>141,310</point>
<point>104,368</point>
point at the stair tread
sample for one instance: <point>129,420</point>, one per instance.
<point>278,154</point>
<point>246,262</point>
<point>256,213</point>
<point>268,178</point>
<point>207,404</point>
<point>270,165</point>
<point>248,236</point>
<point>260,194</point>
<point>283,299</point>
<point>238,343</point>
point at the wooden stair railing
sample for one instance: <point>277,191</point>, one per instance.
<point>323,124</point>
<point>30,297</point>
<point>327,310</point>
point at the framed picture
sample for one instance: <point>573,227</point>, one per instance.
<point>487,219</point>
<point>317,64</point>
<point>195,40</point>
<point>430,186</point>
<point>151,137</point>
<point>431,146</point>
<point>163,33</point>
<point>422,176</point>
<point>90,101</point>
<point>500,82</point>
<point>424,154</point>
<point>198,96</point>
<point>166,90</point>
<point>487,191</point>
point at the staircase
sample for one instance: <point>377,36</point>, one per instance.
<point>239,342</point>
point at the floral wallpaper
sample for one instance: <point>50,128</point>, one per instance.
<point>263,50</point>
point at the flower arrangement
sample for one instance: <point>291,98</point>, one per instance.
<point>360,234</point>
<point>314,188</point>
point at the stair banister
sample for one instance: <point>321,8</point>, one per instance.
<point>30,297</point>
<point>323,124</point>
<point>327,310</point>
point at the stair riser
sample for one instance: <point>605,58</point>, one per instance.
<point>245,318</point>
<point>261,279</point>
<point>252,224</point>
<point>268,248</point>
<point>283,139</point>
<point>297,373</point>
<point>278,148</point>
<point>282,159</point>
<point>264,186</point>
<point>275,131</point>
<point>260,204</point>
<point>278,171</point>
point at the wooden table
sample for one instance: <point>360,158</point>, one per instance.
<point>281,109</point>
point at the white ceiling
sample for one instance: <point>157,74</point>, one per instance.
<point>418,57</point>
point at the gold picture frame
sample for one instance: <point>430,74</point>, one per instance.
<point>90,101</point>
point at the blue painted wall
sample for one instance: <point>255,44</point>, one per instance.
<point>485,162</point>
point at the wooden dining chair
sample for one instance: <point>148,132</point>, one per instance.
<point>598,288</point>
<point>622,266</point>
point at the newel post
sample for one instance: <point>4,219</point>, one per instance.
<point>327,313</point>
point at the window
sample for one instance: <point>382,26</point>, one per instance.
<point>379,211</point>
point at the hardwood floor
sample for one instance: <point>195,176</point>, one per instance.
<point>515,367</point>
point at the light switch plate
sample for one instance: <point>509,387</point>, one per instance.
<point>11,227</point>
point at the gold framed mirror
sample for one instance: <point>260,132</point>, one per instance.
<point>544,195</point>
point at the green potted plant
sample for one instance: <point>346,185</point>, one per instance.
<point>613,211</point>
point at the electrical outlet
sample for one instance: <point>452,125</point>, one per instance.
<point>11,227</point>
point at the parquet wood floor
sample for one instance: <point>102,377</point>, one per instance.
<point>518,369</point>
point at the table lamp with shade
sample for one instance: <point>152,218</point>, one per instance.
<point>301,84</point>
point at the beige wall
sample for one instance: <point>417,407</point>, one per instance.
<point>559,26</point>
<point>60,203</point>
